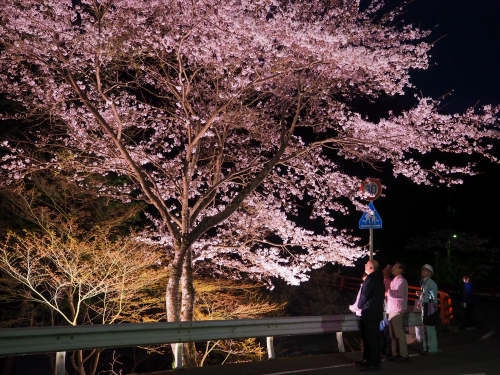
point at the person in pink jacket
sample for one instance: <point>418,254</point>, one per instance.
<point>397,302</point>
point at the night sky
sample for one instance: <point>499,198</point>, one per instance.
<point>465,59</point>
<point>468,53</point>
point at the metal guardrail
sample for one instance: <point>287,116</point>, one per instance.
<point>17,341</point>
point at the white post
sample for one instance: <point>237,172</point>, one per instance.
<point>178,356</point>
<point>340,342</point>
<point>270,348</point>
<point>371,243</point>
<point>60,363</point>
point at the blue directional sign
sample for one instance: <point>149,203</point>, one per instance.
<point>370,219</point>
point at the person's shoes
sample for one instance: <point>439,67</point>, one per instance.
<point>361,362</point>
<point>391,358</point>
<point>471,328</point>
<point>424,352</point>
<point>369,368</point>
<point>433,353</point>
<point>400,359</point>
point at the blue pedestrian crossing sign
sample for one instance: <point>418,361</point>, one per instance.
<point>370,219</point>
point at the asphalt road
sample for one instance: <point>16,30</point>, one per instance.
<point>463,353</point>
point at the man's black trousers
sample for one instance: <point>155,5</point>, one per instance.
<point>370,333</point>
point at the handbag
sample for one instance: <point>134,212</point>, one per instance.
<point>430,316</point>
<point>433,307</point>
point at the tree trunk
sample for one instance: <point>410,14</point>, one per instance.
<point>188,292</point>
<point>77,362</point>
<point>95,361</point>
<point>173,287</point>
<point>188,297</point>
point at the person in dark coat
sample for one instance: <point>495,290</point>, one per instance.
<point>371,303</point>
<point>468,303</point>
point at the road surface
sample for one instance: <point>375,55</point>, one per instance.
<point>463,353</point>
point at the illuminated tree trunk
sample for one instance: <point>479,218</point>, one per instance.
<point>188,292</point>
<point>180,296</point>
<point>173,287</point>
<point>188,300</point>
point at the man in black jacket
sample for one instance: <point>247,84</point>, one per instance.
<point>371,303</point>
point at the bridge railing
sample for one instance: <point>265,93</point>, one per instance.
<point>33,340</point>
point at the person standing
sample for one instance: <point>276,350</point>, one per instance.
<point>468,303</point>
<point>397,303</point>
<point>428,292</point>
<point>371,303</point>
<point>418,329</point>
<point>354,307</point>
<point>386,337</point>
<point>388,276</point>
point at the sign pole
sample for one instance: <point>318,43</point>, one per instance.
<point>371,219</point>
<point>371,243</point>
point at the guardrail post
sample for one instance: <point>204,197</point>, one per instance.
<point>60,363</point>
<point>270,348</point>
<point>178,356</point>
<point>342,283</point>
<point>340,342</point>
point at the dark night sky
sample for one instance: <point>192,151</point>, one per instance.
<point>468,53</point>
<point>465,59</point>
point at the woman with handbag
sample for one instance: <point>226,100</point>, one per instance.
<point>430,312</point>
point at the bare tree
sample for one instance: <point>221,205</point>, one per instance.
<point>229,299</point>
<point>87,275</point>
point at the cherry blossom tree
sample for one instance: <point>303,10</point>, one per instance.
<point>231,118</point>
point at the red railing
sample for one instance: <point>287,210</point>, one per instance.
<point>444,300</point>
